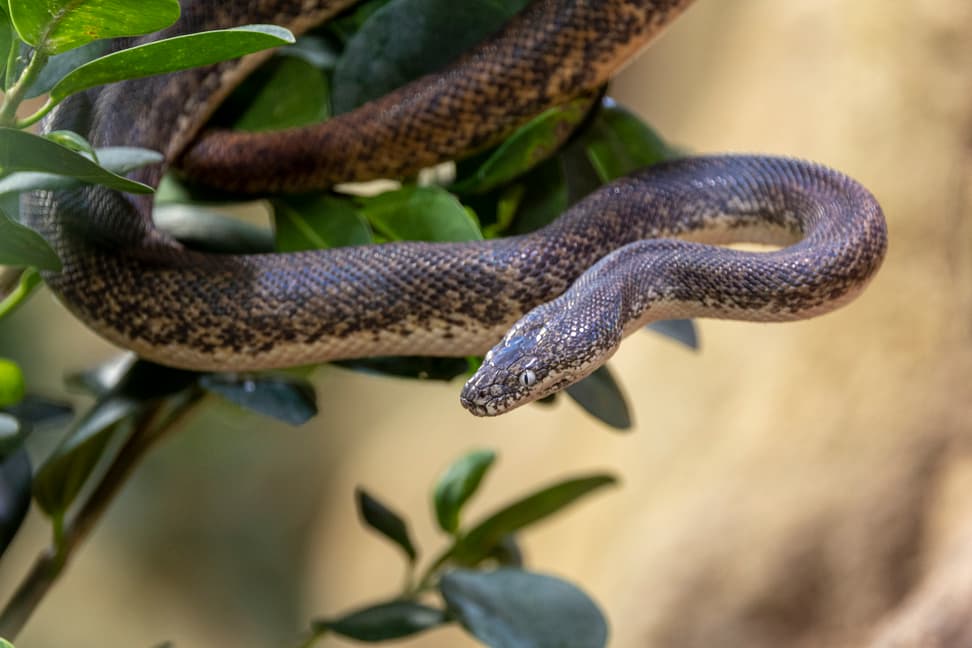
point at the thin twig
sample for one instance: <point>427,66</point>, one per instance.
<point>151,426</point>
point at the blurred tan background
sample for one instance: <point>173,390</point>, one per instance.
<point>791,485</point>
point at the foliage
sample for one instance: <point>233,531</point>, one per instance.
<point>55,49</point>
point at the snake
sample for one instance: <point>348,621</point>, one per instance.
<point>545,308</point>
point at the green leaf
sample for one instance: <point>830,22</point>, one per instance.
<point>511,608</point>
<point>15,475</point>
<point>545,197</point>
<point>481,539</point>
<point>5,644</point>
<point>117,159</point>
<point>531,144</point>
<point>74,142</point>
<point>420,367</point>
<point>6,42</point>
<point>55,26</point>
<point>22,246</point>
<point>420,214</point>
<point>384,621</point>
<point>29,280</point>
<point>287,92</point>
<point>457,485</point>
<point>64,473</point>
<point>204,229</point>
<point>41,412</point>
<point>680,330</point>
<point>285,398</point>
<point>12,434</point>
<point>21,151</point>
<point>171,55</point>
<point>600,395</point>
<point>67,469</point>
<point>386,522</point>
<point>619,143</point>
<point>61,65</point>
<point>405,39</point>
<point>11,383</point>
<point>317,222</point>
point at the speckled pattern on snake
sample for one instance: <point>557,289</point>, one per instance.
<point>552,305</point>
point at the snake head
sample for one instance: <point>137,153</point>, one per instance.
<point>541,354</point>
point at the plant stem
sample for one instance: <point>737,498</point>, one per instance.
<point>150,426</point>
<point>11,101</point>
<point>15,287</point>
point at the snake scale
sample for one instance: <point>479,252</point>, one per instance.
<point>546,308</point>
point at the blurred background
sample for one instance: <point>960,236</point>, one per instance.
<point>802,485</point>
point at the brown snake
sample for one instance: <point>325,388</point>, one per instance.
<point>570,291</point>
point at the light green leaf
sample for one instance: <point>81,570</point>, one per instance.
<point>11,383</point>
<point>6,42</point>
<point>171,55</point>
<point>421,214</point>
<point>21,151</point>
<point>22,246</point>
<point>29,280</point>
<point>117,159</point>
<point>55,26</point>
<point>457,485</point>
<point>204,229</point>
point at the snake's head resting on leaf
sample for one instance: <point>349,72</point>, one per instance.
<point>541,354</point>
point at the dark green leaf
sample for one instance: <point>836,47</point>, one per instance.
<point>510,608</point>
<point>285,398</point>
<point>545,197</point>
<point>39,411</point>
<point>507,553</point>
<point>405,39</point>
<point>457,485</point>
<point>21,151</point>
<point>420,367</point>
<point>348,24</point>
<point>22,246</point>
<point>315,50</point>
<point>680,330</point>
<point>11,434</point>
<point>533,143</point>
<point>61,477</point>
<point>384,621</point>
<point>317,222</point>
<point>210,231</point>
<point>618,143</point>
<point>64,473</point>
<point>600,395</point>
<point>55,26</point>
<point>485,536</point>
<point>59,66</point>
<point>117,159</point>
<point>11,383</point>
<point>288,92</point>
<point>171,55</point>
<point>15,473</point>
<point>420,214</point>
<point>385,521</point>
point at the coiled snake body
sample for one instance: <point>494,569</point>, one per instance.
<point>555,303</point>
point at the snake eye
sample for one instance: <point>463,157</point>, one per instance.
<point>528,378</point>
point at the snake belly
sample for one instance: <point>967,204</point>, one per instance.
<point>142,290</point>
